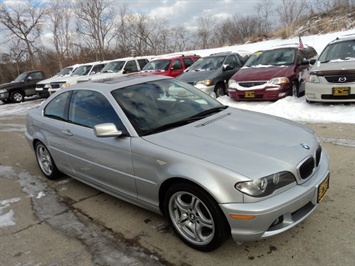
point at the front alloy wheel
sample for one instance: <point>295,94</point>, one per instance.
<point>45,162</point>
<point>16,97</point>
<point>196,217</point>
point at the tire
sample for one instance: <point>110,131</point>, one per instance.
<point>195,217</point>
<point>45,162</point>
<point>220,90</point>
<point>294,90</point>
<point>17,96</point>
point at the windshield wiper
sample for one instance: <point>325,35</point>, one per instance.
<point>186,121</point>
<point>209,112</point>
<point>170,126</point>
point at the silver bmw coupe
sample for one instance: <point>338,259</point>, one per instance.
<point>213,171</point>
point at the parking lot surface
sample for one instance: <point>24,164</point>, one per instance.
<point>65,222</point>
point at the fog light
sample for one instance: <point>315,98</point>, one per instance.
<point>310,95</point>
<point>282,94</point>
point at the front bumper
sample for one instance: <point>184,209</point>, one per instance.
<point>277,213</point>
<point>206,89</point>
<point>330,92</point>
<point>4,96</point>
<point>264,94</point>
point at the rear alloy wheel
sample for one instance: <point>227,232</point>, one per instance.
<point>17,96</point>
<point>45,162</point>
<point>220,90</point>
<point>195,217</point>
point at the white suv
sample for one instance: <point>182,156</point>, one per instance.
<point>87,69</point>
<point>332,76</point>
<point>43,86</point>
<point>118,67</point>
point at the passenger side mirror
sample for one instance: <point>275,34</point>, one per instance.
<point>107,130</point>
<point>312,61</point>
<point>226,67</point>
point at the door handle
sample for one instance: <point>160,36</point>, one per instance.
<point>67,132</point>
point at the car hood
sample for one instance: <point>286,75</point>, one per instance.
<point>261,73</point>
<point>193,75</point>
<point>239,140</point>
<point>6,85</point>
<point>333,67</point>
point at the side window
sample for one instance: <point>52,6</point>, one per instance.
<point>232,61</point>
<point>301,57</point>
<point>90,108</point>
<point>131,66</point>
<point>177,64</point>
<point>142,62</point>
<point>96,69</point>
<point>36,75</point>
<point>188,62</point>
<point>57,108</point>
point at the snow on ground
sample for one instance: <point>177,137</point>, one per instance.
<point>293,108</point>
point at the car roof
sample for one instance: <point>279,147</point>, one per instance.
<point>119,82</point>
<point>173,56</point>
<point>347,37</point>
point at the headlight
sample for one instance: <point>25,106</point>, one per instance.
<point>279,81</point>
<point>3,90</point>
<point>64,85</point>
<point>206,82</point>
<point>231,81</point>
<point>312,79</point>
<point>266,185</point>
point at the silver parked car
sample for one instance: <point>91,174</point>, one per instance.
<point>157,142</point>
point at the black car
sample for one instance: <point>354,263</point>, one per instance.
<point>211,73</point>
<point>24,85</point>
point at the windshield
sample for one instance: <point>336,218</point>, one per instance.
<point>207,63</point>
<point>164,104</point>
<point>65,71</point>
<point>338,51</point>
<point>276,57</point>
<point>21,77</point>
<point>82,70</point>
<point>157,65</point>
<point>113,67</point>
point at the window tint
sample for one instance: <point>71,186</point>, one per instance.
<point>142,62</point>
<point>97,68</point>
<point>36,75</point>
<point>57,107</point>
<point>188,62</point>
<point>90,108</point>
<point>131,66</point>
<point>177,64</point>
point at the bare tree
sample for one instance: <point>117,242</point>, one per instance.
<point>60,16</point>
<point>205,31</point>
<point>264,10</point>
<point>290,11</point>
<point>24,21</point>
<point>95,24</point>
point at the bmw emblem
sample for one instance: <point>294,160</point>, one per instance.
<point>305,146</point>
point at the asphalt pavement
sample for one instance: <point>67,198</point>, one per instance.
<point>65,222</point>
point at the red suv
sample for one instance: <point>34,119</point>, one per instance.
<point>272,74</point>
<point>170,65</point>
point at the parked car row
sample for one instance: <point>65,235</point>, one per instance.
<point>268,74</point>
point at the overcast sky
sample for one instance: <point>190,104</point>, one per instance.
<point>187,12</point>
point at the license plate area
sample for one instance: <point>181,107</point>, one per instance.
<point>249,94</point>
<point>341,91</point>
<point>323,188</point>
